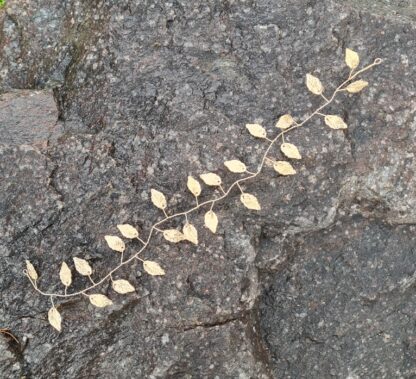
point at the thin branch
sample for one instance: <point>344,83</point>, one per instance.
<point>10,334</point>
<point>324,97</point>
<point>144,243</point>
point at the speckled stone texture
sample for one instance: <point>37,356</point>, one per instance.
<point>113,98</point>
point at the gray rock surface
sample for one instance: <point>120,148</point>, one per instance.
<point>319,284</point>
<point>28,117</point>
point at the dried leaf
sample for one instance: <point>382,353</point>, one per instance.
<point>356,86</point>
<point>55,319</point>
<point>211,179</point>
<point>284,168</point>
<point>256,130</point>
<point>31,271</point>
<point>290,150</point>
<point>65,275</point>
<point>314,84</point>
<point>173,235</point>
<point>351,59</point>
<point>190,233</point>
<point>115,243</point>
<point>99,300</point>
<point>158,199</point>
<point>335,122</point>
<point>153,268</point>
<point>194,186</point>
<point>250,201</point>
<point>122,286</point>
<point>128,231</point>
<point>285,121</point>
<point>236,166</point>
<point>82,266</point>
<point>211,221</point>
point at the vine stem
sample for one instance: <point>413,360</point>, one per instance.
<point>212,201</point>
<point>10,334</point>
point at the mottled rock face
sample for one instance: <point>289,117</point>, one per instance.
<point>344,306</point>
<point>28,117</point>
<point>103,100</point>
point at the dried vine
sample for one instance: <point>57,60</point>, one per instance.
<point>285,124</point>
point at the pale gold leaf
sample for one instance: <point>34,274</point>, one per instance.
<point>82,266</point>
<point>153,268</point>
<point>284,168</point>
<point>190,233</point>
<point>55,319</point>
<point>250,201</point>
<point>356,86</point>
<point>211,221</point>
<point>65,275</point>
<point>211,179</point>
<point>256,130</point>
<point>285,121</point>
<point>173,235</point>
<point>122,286</point>
<point>290,150</point>
<point>335,122</point>
<point>128,231</point>
<point>158,199</point>
<point>194,186</point>
<point>115,243</point>
<point>352,59</point>
<point>31,271</point>
<point>314,84</point>
<point>99,300</point>
<point>235,166</point>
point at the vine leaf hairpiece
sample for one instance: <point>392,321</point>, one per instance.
<point>285,124</point>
